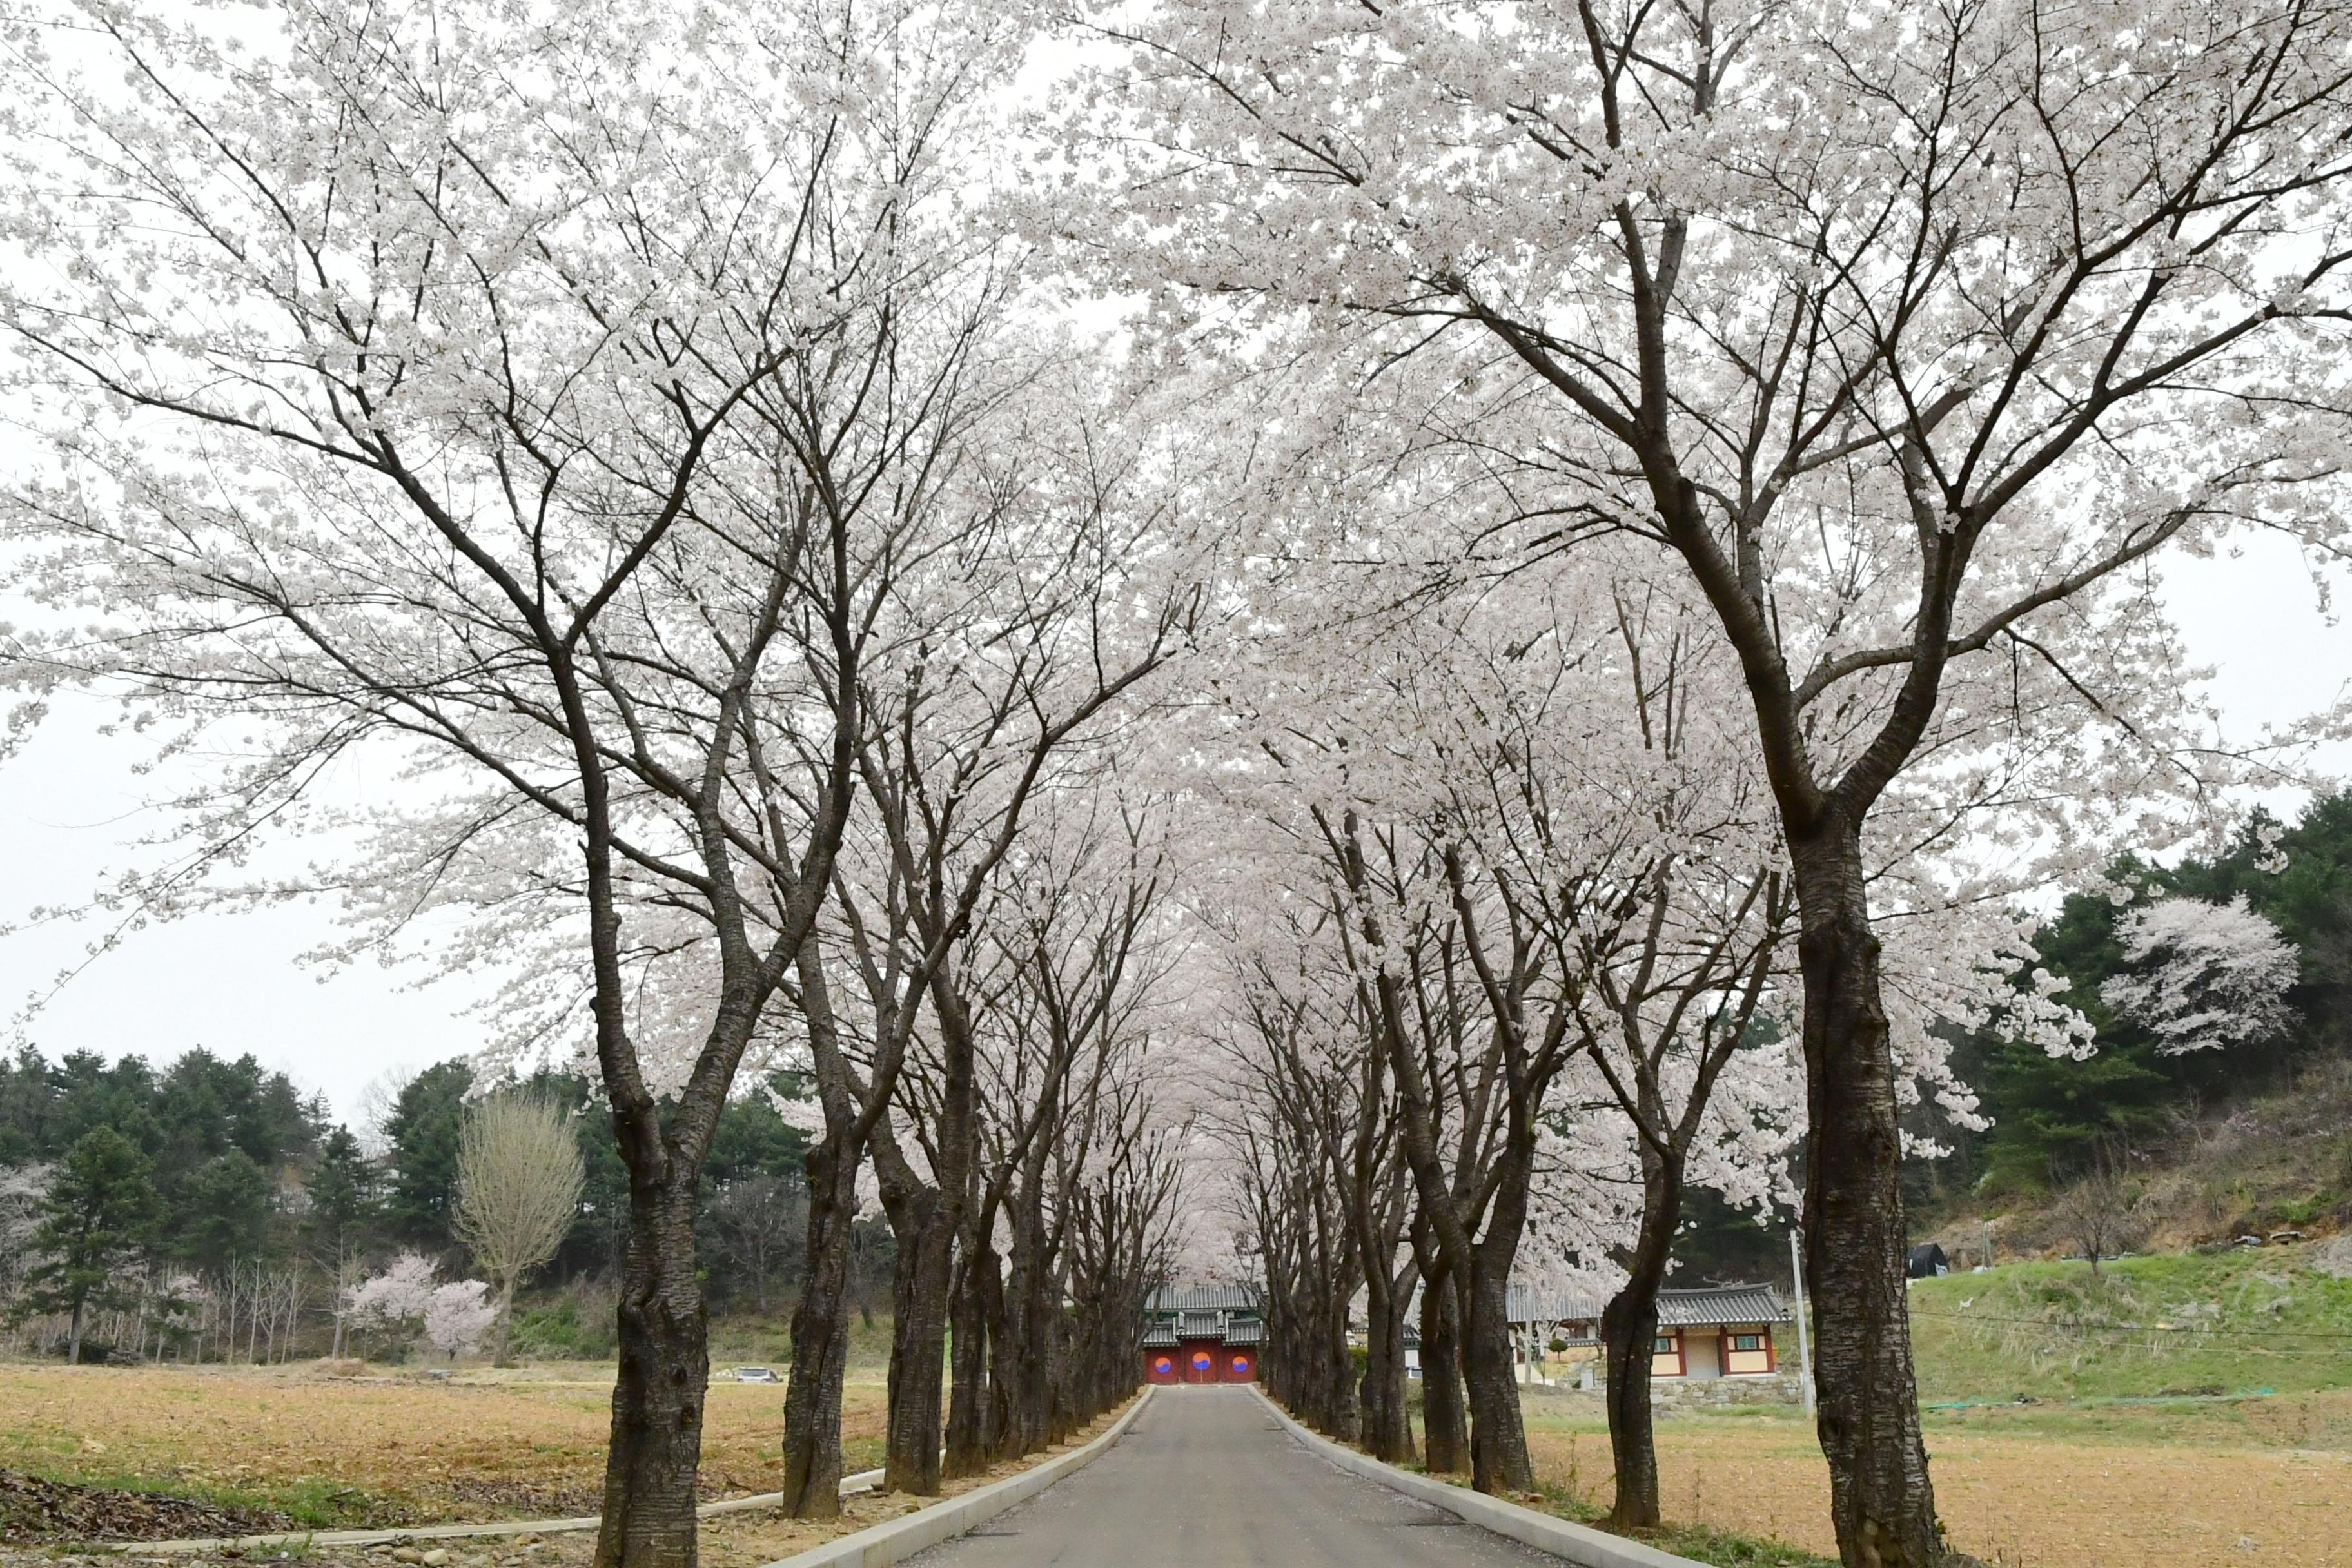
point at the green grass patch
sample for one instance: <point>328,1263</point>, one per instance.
<point>1699,1542</point>
<point>738,1341</point>
<point>1721,1548</point>
<point>2176,1326</point>
<point>307,1504</point>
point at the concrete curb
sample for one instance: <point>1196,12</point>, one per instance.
<point>1577,1543</point>
<point>944,1521</point>
<point>863,1481</point>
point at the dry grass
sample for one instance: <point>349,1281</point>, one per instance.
<point>748,1540</point>
<point>2038,1500</point>
<point>412,1450</point>
<point>374,1450</point>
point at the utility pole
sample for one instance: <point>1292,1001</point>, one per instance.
<point>1804,1337</point>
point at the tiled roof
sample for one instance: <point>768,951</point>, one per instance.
<point>1723,1304</point>
<point>1709,1308</point>
<point>1527,1307</point>
<point>1225,1314</point>
<point>1203,1299</point>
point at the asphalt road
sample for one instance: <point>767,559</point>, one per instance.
<point>1206,1478</point>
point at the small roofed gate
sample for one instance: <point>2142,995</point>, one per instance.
<point>1206,1334</point>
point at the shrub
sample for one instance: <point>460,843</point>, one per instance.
<point>563,1333</point>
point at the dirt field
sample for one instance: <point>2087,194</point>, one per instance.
<point>2042,1499</point>
<point>394,1451</point>
<point>2254,1482</point>
<point>378,1450</point>
<point>734,1540</point>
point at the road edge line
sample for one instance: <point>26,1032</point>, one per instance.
<point>1578,1543</point>
<point>897,1540</point>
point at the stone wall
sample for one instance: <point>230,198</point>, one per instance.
<point>1783,1387</point>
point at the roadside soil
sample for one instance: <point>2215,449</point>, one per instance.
<point>2040,1499</point>
<point>34,1509</point>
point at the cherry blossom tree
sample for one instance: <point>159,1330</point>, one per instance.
<point>2208,975</point>
<point>393,1300</point>
<point>1503,804</point>
<point>949,775</point>
<point>1303,1095</point>
<point>1078,952</point>
<point>22,1188</point>
<point>397,1295</point>
<point>520,394</point>
<point>1014,646</point>
<point>1905,337</point>
<point>456,1316</point>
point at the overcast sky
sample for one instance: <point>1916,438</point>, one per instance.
<point>70,807</point>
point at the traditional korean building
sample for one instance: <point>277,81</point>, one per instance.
<point>1721,1332</point>
<point>1208,1333</point>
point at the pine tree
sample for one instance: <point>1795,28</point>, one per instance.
<point>344,1204</point>
<point>423,1129</point>
<point>98,1216</point>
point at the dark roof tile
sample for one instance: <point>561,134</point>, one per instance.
<point>1711,1306</point>
<point>1203,1299</point>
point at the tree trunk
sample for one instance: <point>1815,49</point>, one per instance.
<point>1445,1422</point>
<point>506,1323</point>
<point>1499,1439</point>
<point>917,1342</point>
<point>658,1398</point>
<point>1036,1318</point>
<point>1387,1425</point>
<point>967,1431</point>
<point>1340,1380</point>
<point>1335,1391</point>
<point>1010,1332</point>
<point>1629,1331</point>
<point>812,1486</point>
<point>73,1335</point>
<point>1080,1387</point>
<point>1880,1501</point>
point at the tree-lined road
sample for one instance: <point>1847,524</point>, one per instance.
<point>1206,1478</point>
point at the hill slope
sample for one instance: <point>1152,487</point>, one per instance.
<point>2274,1320</point>
<point>2280,1160</point>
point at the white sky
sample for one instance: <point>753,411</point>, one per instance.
<point>70,807</point>
<point>71,811</point>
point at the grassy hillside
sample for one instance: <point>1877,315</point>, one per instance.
<point>768,1341</point>
<point>2274,1161</point>
<point>2276,1319</point>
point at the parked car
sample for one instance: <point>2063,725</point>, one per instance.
<point>757,1374</point>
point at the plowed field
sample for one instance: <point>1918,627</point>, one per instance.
<point>362,1451</point>
<point>2048,1500</point>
